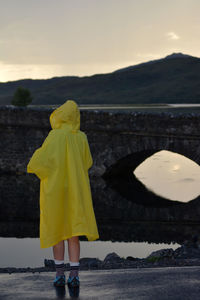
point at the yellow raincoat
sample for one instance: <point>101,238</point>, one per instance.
<point>62,164</point>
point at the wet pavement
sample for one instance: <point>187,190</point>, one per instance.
<point>153,283</point>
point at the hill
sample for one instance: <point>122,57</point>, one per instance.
<point>173,79</point>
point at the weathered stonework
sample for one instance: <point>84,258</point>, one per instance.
<point>119,142</point>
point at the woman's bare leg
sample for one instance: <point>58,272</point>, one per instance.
<point>74,249</point>
<point>59,251</point>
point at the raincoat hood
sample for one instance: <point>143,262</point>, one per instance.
<point>68,113</point>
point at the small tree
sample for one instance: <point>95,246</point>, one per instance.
<point>22,97</point>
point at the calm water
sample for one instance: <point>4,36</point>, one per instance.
<point>186,108</point>
<point>143,106</point>
<point>170,175</point>
<point>167,174</point>
<point>27,253</point>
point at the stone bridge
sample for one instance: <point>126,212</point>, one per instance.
<point>119,142</point>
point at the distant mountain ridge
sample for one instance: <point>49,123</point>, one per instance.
<point>170,56</point>
<point>173,79</point>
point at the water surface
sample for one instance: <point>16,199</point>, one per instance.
<point>27,252</point>
<point>170,175</point>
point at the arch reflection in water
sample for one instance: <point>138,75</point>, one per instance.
<point>170,175</point>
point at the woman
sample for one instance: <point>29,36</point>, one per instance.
<point>66,209</point>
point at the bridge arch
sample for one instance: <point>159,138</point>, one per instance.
<point>116,140</point>
<point>136,149</point>
<point>119,174</point>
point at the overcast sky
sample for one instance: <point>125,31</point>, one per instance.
<point>47,38</point>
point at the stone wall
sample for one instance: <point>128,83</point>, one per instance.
<point>112,136</point>
<point>118,141</point>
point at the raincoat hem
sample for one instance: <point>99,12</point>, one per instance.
<point>89,237</point>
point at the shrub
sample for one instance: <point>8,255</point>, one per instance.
<point>22,97</point>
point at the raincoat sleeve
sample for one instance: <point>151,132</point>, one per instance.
<point>42,162</point>
<point>88,156</point>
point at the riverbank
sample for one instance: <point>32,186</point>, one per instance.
<point>186,255</point>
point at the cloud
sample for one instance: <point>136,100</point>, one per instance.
<point>9,72</point>
<point>187,179</point>
<point>172,36</point>
<point>147,56</point>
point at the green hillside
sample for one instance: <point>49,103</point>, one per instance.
<point>174,79</point>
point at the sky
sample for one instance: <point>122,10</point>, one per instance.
<point>49,38</point>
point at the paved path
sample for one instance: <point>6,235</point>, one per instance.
<point>156,284</point>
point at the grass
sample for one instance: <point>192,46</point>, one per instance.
<point>154,259</point>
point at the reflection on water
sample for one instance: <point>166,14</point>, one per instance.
<point>119,230</point>
<point>170,175</point>
<point>127,214</point>
<point>27,253</point>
